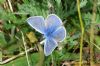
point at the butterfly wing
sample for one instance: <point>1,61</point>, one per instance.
<point>59,34</point>
<point>49,46</point>
<point>37,22</point>
<point>53,22</point>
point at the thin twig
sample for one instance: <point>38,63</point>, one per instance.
<point>10,6</point>
<point>21,54</point>
<point>20,13</point>
<point>52,59</point>
<point>96,46</point>
<point>82,30</point>
<point>14,57</point>
<point>25,49</point>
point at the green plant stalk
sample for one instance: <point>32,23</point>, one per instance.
<point>92,33</point>
<point>41,54</point>
<point>25,49</point>
<point>82,30</point>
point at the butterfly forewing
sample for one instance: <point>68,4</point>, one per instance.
<point>37,22</point>
<point>52,22</point>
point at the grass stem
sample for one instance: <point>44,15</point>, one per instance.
<point>82,30</point>
<point>92,26</point>
<point>10,6</point>
<point>25,49</point>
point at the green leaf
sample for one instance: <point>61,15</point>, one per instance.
<point>2,40</point>
<point>98,19</point>
<point>83,3</point>
<point>2,1</point>
<point>8,26</point>
<point>97,38</point>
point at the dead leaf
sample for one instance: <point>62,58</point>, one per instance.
<point>31,36</point>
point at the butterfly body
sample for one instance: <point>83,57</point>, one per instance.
<point>52,29</point>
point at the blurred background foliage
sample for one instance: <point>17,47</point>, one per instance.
<point>13,15</point>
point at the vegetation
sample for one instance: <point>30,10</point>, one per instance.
<point>20,44</point>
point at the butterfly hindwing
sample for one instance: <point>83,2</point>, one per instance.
<point>37,22</point>
<point>59,34</point>
<point>49,46</point>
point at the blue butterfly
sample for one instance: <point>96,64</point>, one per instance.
<point>52,28</point>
